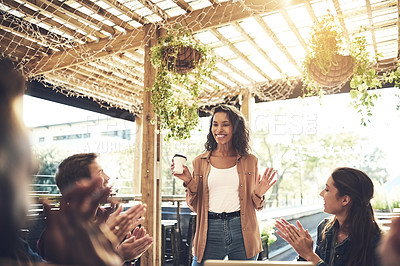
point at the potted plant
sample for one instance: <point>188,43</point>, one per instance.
<point>330,63</point>
<point>182,64</point>
<point>267,236</point>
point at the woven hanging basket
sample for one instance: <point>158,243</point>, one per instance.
<point>341,70</point>
<point>185,61</point>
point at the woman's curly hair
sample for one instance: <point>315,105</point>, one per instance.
<point>240,138</point>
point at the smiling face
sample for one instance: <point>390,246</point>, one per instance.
<point>222,129</point>
<point>333,203</point>
<point>96,171</point>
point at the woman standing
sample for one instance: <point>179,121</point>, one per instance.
<point>351,236</point>
<point>225,189</point>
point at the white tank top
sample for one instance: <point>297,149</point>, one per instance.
<point>223,187</point>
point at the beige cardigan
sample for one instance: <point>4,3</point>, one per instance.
<point>197,197</point>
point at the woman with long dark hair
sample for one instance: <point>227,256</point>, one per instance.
<point>351,236</point>
<point>225,190</point>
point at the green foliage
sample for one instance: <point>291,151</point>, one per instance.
<point>394,77</point>
<point>175,95</point>
<point>268,231</point>
<point>326,41</point>
<point>364,78</point>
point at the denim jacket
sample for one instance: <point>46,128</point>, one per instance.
<point>342,251</point>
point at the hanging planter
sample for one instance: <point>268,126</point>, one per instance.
<point>182,64</point>
<point>339,72</point>
<point>330,63</point>
<point>181,59</point>
<point>326,64</point>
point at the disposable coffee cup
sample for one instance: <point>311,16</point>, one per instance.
<point>179,161</point>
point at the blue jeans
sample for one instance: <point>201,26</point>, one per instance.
<point>224,238</point>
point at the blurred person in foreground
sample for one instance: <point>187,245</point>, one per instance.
<point>92,245</point>
<point>389,248</point>
<point>132,240</point>
<point>351,236</point>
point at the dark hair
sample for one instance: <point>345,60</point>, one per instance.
<point>360,220</point>
<point>240,138</point>
<point>74,168</point>
<point>15,157</point>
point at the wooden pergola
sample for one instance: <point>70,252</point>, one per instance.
<point>100,49</point>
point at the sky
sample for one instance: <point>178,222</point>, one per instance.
<point>39,112</point>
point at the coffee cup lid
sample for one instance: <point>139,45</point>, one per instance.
<point>180,155</point>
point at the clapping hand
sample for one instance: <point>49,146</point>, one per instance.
<point>298,238</point>
<point>135,244</point>
<point>265,182</point>
<point>72,236</point>
<point>121,223</point>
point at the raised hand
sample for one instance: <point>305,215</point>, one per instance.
<point>121,223</point>
<point>135,244</point>
<point>298,238</point>
<point>265,182</point>
<point>72,237</point>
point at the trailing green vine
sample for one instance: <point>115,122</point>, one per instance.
<point>175,95</point>
<point>364,78</point>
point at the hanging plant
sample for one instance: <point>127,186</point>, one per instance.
<point>182,64</point>
<point>327,64</point>
<point>394,77</point>
<point>365,77</point>
<point>330,63</point>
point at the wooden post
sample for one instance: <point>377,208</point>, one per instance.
<point>150,190</point>
<point>138,157</point>
<point>246,104</point>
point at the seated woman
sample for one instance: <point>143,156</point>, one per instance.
<point>351,236</point>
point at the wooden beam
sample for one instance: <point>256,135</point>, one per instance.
<point>105,14</point>
<point>341,19</point>
<point>26,42</point>
<point>44,19</point>
<point>201,19</point>
<point>14,50</point>
<point>89,88</point>
<point>222,73</point>
<point>149,157</point>
<point>242,56</point>
<point>137,164</point>
<point>310,11</point>
<point>154,8</point>
<point>17,24</point>
<point>121,69</point>
<point>371,26</point>
<point>261,51</point>
<point>276,40</point>
<point>71,16</point>
<point>398,30</point>
<point>294,29</point>
<point>84,53</point>
<point>246,105</point>
<point>108,78</point>
<point>182,4</point>
<point>234,69</point>
<point>126,11</point>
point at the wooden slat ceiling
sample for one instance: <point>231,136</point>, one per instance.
<point>95,48</point>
